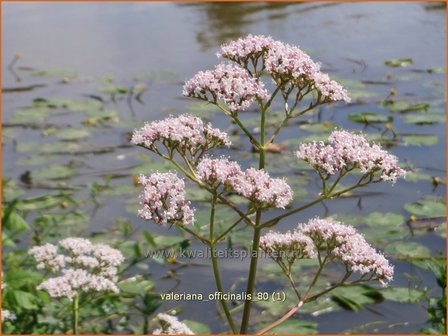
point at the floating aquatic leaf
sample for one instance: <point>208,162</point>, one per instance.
<point>415,176</point>
<point>197,327</point>
<point>403,294</point>
<point>427,207</point>
<point>441,230</point>
<point>67,133</point>
<point>323,127</point>
<point>113,89</point>
<point>420,139</point>
<point>424,119</point>
<point>203,110</point>
<point>381,219</point>
<point>403,105</point>
<point>398,62</point>
<point>407,250</point>
<point>355,297</point>
<point>167,241</point>
<point>54,73</point>
<point>84,105</point>
<point>370,118</point>
<point>437,70</point>
<point>50,148</point>
<point>30,115</point>
<point>52,172</point>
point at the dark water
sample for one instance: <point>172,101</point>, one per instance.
<point>128,40</point>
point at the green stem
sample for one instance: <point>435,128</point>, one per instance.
<point>257,232</point>
<point>216,267</point>
<point>240,124</point>
<point>75,310</point>
<point>251,280</point>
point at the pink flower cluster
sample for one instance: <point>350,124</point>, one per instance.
<point>163,199</point>
<point>84,267</point>
<point>170,325</point>
<point>186,133</point>
<point>345,244</point>
<point>242,49</point>
<point>253,184</point>
<point>295,244</point>
<point>229,83</point>
<point>346,151</point>
<point>286,64</point>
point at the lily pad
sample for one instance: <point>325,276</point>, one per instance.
<point>355,297</point>
<point>30,115</point>
<point>402,294</point>
<point>67,133</point>
<point>388,219</point>
<point>53,172</point>
<point>403,105</point>
<point>425,119</point>
<point>398,62</point>
<point>407,250</point>
<point>421,139</point>
<point>54,73</point>
<point>370,118</point>
<point>427,207</point>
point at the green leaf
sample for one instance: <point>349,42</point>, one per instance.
<point>398,62</point>
<point>402,294</point>
<point>135,286</point>
<point>369,118</point>
<point>197,327</point>
<point>67,133</point>
<point>30,115</point>
<point>294,327</point>
<point>24,300</point>
<point>421,139</point>
<point>52,172</point>
<point>167,241</point>
<point>403,105</point>
<point>15,223</point>
<point>384,219</point>
<point>54,73</point>
<point>355,297</point>
<point>425,119</point>
<point>427,207</point>
<point>407,250</point>
<point>323,127</point>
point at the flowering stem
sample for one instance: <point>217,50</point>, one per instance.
<point>282,319</point>
<point>275,220</point>
<point>240,124</point>
<point>75,309</point>
<point>215,264</point>
<point>257,231</point>
<point>222,235</point>
<point>251,280</point>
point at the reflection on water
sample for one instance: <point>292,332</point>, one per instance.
<point>225,21</point>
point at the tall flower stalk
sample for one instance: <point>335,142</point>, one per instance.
<point>187,142</point>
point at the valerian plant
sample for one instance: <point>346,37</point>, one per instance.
<point>187,142</point>
<point>83,271</point>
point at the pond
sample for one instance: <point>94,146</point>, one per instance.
<point>79,77</point>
